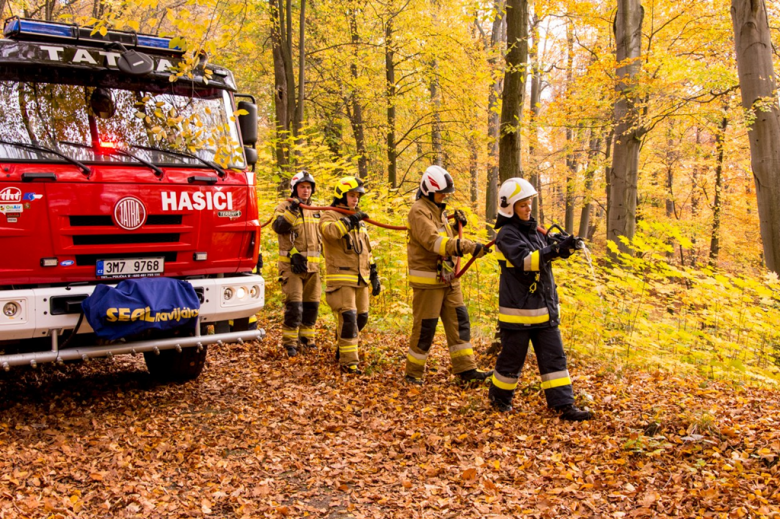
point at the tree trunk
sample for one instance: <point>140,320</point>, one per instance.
<point>356,112</point>
<point>392,158</point>
<point>497,36</point>
<point>474,171</point>
<point>287,53</point>
<point>436,146</point>
<point>757,82</point>
<point>513,97</point>
<point>281,90</point>
<point>537,210</point>
<point>571,139</point>
<point>298,121</point>
<point>97,8</point>
<point>718,201</point>
<point>696,178</point>
<point>671,161</point>
<point>594,149</point>
<point>625,159</point>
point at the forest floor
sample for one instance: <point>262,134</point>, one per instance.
<point>260,435</point>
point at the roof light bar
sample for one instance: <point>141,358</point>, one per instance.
<point>36,30</point>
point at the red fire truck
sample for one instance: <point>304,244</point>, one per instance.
<point>110,169</point>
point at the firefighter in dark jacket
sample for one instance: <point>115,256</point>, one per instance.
<point>350,270</point>
<point>431,248</point>
<point>300,245</point>
<point>528,304</point>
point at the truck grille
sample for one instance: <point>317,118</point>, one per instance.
<point>105,220</point>
<point>125,239</point>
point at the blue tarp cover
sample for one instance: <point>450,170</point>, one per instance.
<point>137,305</point>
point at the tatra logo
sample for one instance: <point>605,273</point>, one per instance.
<point>94,58</point>
<point>129,213</point>
<point>11,194</point>
<point>197,201</point>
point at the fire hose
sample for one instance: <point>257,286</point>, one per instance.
<point>458,272</point>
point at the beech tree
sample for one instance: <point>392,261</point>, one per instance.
<point>621,210</point>
<point>759,97</point>
<point>513,97</point>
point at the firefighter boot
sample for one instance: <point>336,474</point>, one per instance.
<point>572,413</point>
<point>499,402</point>
<point>475,375</point>
<point>412,380</point>
<point>292,351</point>
<point>350,369</point>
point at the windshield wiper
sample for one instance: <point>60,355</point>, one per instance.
<point>159,173</point>
<point>37,147</point>
<point>221,172</point>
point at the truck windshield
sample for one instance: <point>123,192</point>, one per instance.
<point>51,115</point>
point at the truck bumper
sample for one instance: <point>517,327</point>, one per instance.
<point>222,299</point>
<point>84,353</point>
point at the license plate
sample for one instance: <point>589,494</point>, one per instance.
<point>130,267</point>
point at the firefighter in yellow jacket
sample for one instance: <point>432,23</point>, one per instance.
<point>430,251</point>
<point>349,269</point>
<point>300,245</point>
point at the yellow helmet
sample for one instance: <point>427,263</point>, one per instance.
<point>346,184</point>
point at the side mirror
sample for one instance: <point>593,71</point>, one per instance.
<point>248,123</point>
<point>251,155</point>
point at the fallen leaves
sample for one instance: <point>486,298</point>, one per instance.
<point>261,435</point>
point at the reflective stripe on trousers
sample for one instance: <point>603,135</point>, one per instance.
<point>347,303</point>
<point>428,305</point>
<point>550,357</point>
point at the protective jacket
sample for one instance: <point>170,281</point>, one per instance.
<point>299,231</point>
<point>347,252</point>
<point>431,245</point>
<point>527,296</point>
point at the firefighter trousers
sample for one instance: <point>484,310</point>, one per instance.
<point>350,304</point>
<point>301,304</point>
<point>548,347</point>
<point>428,305</point>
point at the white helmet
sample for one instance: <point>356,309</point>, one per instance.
<point>436,180</point>
<point>301,176</point>
<point>510,192</point>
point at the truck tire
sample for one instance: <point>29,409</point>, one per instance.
<point>172,366</point>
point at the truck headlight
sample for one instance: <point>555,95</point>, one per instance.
<point>228,294</point>
<point>241,292</point>
<point>254,291</point>
<point>10,309</point>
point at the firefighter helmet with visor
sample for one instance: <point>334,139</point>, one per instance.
<point>511,191</point>
<point>301,176</point>
<point>436,180</point>
<point>346,184</point>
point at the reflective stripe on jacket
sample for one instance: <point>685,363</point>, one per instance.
<point>431,239</point>
<point>300,232</point>
<point>347,253</point>
<point>527,295</point>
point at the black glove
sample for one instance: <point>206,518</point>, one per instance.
<point>480,250</point>
<point>299,263</point>
<point>376,287</point>
<point>295,205</point>
<point>566,246</point>
<point>353,221</point>
<point>460,216</point>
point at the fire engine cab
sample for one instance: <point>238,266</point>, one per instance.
<point>118,163</point>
